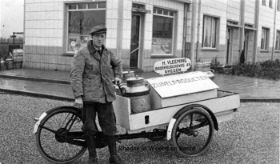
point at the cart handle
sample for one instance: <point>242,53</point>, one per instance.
<point>119,86</point>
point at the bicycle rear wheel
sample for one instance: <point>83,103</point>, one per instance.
<point>59,137</point>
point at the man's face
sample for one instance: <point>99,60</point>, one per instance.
<point>98,39</point>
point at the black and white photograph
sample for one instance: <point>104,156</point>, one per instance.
<point>139,81</point>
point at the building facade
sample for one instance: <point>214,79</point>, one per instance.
<point>236,31</point>
<point>142,32</point>
<point>139,31</point>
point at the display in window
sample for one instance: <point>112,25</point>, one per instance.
<point>80,23</point>
<point>162,42</point>
<point>162,46</point>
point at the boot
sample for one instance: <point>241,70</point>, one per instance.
<point>114,157</point>
<point>91,149</point>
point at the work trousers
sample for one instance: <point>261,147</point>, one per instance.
<point>106,118</point>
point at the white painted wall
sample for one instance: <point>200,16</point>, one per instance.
<point>249,15</point>
<point>233,10</point>
<point>266,19</point>
<point>216,8</point>
<point>44,23</point>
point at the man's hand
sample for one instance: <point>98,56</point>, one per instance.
<point>78,102</point>
<point>117,80</point>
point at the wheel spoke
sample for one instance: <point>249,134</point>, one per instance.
<point>53,131</point>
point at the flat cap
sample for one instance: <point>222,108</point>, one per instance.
<point>99,29</point>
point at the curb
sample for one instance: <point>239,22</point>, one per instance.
<point>35,79</point>
<point>272,100</point>
<point>33,94</point>
<point>54,97</point>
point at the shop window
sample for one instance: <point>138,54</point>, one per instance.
<point>263,2</point>
<point>163,31</point>
<point>210,32</point>
<point>277,42</point>
<point>265,39</point>
<point>81,18</point>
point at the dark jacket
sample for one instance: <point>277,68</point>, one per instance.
<point>92,74</point>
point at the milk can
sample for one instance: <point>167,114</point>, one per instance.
<point>127,74</point>
<point>139,93</point>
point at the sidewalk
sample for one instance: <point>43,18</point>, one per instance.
<point>55,84</point>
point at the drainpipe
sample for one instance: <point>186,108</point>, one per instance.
<point>274,25</point>
<point>257,15</point>
<point>198,30</point>
<point>193,23</point>
<point>196,7</point>
<point>185,29</point>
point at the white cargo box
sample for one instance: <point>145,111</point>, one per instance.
<point>223,107</point>
<point>181,88</point>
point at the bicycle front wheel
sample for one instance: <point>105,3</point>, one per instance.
<point>59,136</point>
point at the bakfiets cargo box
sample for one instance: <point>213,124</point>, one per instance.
<point>182,88</point>
<point>170,93</point>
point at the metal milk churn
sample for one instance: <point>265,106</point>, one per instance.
<point>139,93</point>
<point>127,74</point>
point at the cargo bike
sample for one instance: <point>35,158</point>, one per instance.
<point>184,109</point>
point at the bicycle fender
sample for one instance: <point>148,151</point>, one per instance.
<point>42,116</point>
<point>170,127</point>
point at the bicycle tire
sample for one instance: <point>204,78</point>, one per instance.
<point>57,149</point>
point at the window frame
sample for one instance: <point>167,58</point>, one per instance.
<point>66,33</point>
<point>267,37</point>
<point>217,19</point>
<point>171,14</point>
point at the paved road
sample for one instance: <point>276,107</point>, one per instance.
<point>252,137</point>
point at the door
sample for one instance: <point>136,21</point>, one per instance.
<point>229,45</point>
<point>246,43</point>
<point>135,40</point>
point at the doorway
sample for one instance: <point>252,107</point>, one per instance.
<point>229,46</point>
<point>246,44</point>
<point>135,46</point>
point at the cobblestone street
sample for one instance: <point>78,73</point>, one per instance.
<point>252,137</point>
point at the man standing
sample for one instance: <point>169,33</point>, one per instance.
<point>92,73</point>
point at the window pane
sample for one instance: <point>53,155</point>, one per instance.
<point>92,5</point>
<point>210,26</point>
<point>101,5</point>
<point>72,6</point>
<point>162,35</point>
<point>80,23</point>
<point>82,6</point>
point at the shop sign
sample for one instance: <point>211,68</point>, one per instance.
<point>181,84</point>
<point>172,66</point>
